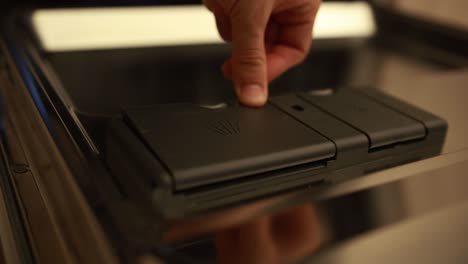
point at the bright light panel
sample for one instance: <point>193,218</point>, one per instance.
<point>106,28</point>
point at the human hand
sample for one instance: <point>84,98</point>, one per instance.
<point>268,37</point>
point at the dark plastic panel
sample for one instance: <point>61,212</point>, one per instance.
<point>435,126</point>
<point>352,146</point>
<point>202,146</point>
<point>381,124</point>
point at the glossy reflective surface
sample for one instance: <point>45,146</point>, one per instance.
<point>283,230</point>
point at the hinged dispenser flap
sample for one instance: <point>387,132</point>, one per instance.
<point>202,146</point>
<point>382,125</point>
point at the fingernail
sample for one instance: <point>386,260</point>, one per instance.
<point>253,95</point>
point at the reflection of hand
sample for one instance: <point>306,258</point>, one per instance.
<point>282,238</point>
<point>218,221</point>
<point>268,37</point>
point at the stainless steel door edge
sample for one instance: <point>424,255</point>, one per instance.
<point>14,247</point>
<point>79,238</point>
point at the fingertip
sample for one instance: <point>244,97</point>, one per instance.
<point>253,95</point>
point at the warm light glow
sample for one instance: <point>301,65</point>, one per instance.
<point>98,28</point>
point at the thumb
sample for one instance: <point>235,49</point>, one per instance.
<point>249,70</point>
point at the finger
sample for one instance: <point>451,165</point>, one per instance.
<point>296,232</point>
<point>279,56</point>
<point>279,59</point>
<point>256,241</point>
<point>271,34</point>
<point>292,47</point>
<point>294,37</point>
<point>212,5</point>
<point>248,59</point>
<point>223,23</point>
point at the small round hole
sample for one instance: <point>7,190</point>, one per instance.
<point>298,108</point>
